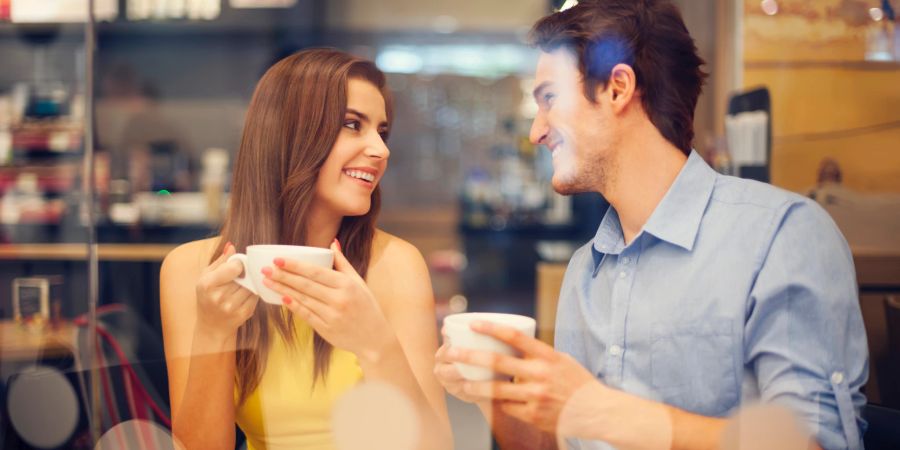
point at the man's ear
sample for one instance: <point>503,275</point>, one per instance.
<point>621,87</point>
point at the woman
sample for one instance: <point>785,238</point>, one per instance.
<point>307,173</point>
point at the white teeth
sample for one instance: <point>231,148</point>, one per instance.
<point>361,175</point>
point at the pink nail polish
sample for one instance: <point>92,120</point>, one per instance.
<point>286,300</point>
<point>278,262</point>
<point>267,271</point>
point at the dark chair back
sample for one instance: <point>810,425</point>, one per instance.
<point>883,432</point>
<point>890,391</point>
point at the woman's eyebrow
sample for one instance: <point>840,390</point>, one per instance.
<point>364,117</point>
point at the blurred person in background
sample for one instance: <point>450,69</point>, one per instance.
<point>147,148</point>
<point>828,183</point>
<point>699,293</point>
<point>307,173</point>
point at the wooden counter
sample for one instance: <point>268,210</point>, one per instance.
<point>549,279</point>
<point>78,252</point>
<point>19,343</point>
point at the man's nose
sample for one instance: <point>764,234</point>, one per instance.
<point>539,129</point>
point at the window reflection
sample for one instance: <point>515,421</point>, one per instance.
<point>801,95</point>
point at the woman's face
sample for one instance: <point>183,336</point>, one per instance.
<point>359,156</point>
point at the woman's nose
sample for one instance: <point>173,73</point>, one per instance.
<point>377,149</point>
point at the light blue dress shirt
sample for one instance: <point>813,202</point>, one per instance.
<point>734,291</point>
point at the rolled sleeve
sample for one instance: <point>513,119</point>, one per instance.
<point>804,337</point>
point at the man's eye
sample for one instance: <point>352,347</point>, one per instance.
<point>352,124</point>
<point>548,99</point>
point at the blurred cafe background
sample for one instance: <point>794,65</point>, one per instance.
<point>111,158</point>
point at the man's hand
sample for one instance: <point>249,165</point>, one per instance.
<point>450,378</point>
<point>545,380</point>
<point>553,393</point>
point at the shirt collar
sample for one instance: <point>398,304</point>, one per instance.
<point>676,218</point>
<point>609,238</point>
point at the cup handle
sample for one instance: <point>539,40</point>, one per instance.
<point>243,280</point>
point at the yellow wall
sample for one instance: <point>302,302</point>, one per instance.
<point>811,57</point>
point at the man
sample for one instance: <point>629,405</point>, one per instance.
<point>700,293</point>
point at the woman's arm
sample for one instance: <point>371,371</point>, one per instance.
<point>200,353</point>
<point>402,284</point>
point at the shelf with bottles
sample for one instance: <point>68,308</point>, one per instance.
<point>43,139</point>
<point>52,179</point>
<point>144,19</point>
<point>25,202</point>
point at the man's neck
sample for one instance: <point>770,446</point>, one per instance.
<point>645,170</point>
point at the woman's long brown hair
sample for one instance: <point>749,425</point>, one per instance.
<point>291,125</point>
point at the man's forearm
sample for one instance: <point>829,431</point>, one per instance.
<point>512,433</point>
<point>627,421</point>
<point>695,432</point>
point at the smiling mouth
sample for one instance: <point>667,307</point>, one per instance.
<point>361,176</point>
<point>554,147</point>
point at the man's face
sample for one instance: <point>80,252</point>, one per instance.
<point>580,135</point>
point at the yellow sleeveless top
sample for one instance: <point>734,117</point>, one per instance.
<point>285,411</point>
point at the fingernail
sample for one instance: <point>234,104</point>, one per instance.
<point>452,352</point>
<point>267,271</point>
<point>338,243</point>
<point>287,300</point>
<point>479,325</point>
<point>278,262</point>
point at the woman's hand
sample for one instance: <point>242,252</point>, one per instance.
<point>336,303</point>
<point>223,305</point>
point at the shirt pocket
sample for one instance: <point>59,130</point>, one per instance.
<point>693,366</point>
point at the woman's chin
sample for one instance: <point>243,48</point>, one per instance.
<point>356,210</point>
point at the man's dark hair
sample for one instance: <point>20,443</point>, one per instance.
<point>648,35</point>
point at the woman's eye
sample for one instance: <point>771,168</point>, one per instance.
<point>352,124</point>
<point>383,134</point>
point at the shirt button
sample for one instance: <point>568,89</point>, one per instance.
<point>615,350</point>
<point>837,377</point>
<point>625,260</point>
<point>622,274</point>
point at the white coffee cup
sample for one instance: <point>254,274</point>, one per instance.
<point>259,256</point>
<point>457,328</point>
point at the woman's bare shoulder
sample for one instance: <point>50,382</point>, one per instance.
<point>390,251</point>
<point>398,271</point>
<point>189,259</point>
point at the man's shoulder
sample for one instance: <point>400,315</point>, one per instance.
<point>577,262</point>
<point>581,253</point>
<point>756,207</point>
<point>739,191</point>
